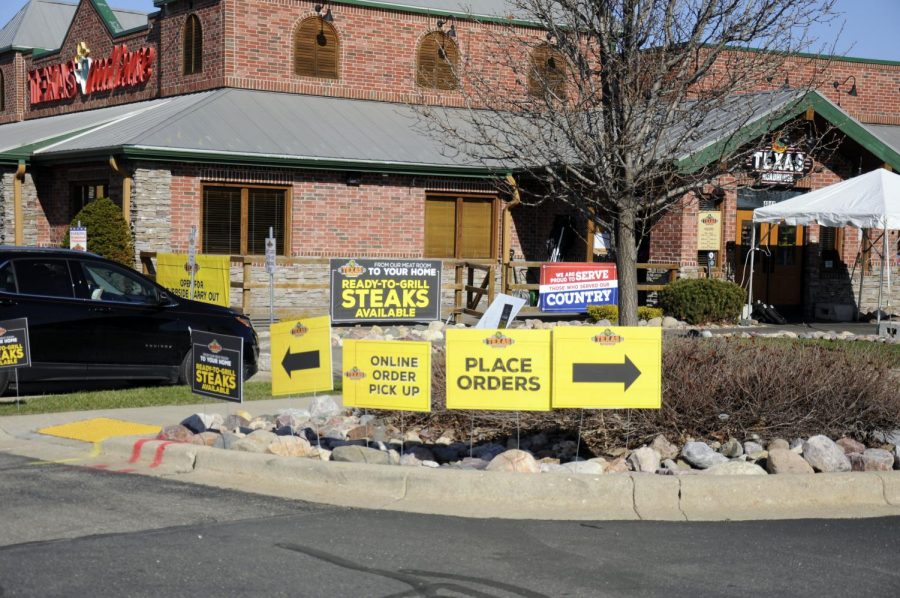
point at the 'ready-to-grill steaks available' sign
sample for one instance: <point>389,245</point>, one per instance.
<point>122,68</point>
<point>382,290</point>
<point>218,366</point>
<point>15,350</point>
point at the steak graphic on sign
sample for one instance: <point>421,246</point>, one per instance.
<point>371,290</point>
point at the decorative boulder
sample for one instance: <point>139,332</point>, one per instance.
<point>701,456</point>
<point>782,461</point>
<point>824,455</point>
<point>514,461</point>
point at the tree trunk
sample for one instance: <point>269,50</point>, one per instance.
<point>626,264</point>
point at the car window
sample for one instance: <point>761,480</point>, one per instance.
<point>110,283</point>
<point>45,277</point>
<point>7,278</point>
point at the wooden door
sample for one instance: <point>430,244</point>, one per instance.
<point>778,272</point>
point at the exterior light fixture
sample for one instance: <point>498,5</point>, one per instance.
<point>327,17</point>
<point>852,91</point>
<point>450,19</point>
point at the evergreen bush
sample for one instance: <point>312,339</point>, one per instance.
<point>108,233</point>
<point>702,300</point>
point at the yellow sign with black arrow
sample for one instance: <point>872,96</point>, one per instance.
<point>607,368</point>
<point>301,356</point>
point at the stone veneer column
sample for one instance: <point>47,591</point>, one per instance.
<point>151,209</point>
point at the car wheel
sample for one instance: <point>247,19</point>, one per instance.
<point>186,370</point>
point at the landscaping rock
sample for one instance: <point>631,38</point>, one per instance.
<point>701,456</point>
<point>323,408</point>
<point>360,454</point>
<point>194,423</point>
<point>617,465</point>
<point>850,446</point>
<point>778,443</point>
<point>449,453</point>
<point>409,460</point>
<point>290,446</point>
<point>824,455</point>
<point>666,449</point>
<point>736,468</point>
<point>644,459</point>
<point>292,418</point>
<point>514,461</point>
<point>229,439</point>
<point>485,451</point>
<point>235,422</point>
<point>732,449</point>
<point>657,322</point>
<point>670,322</point>
<point>472,463</point>
<point>421,453</point>
<point>871,460</point>
<point>176,433</point>
<point>786,461</point>
<point>210,439</point>
<point>751,447</point>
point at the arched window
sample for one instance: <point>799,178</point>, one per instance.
<point>316,49</point>
<point>437,62</point>
<point>193,45</point>
<point>547,72</point>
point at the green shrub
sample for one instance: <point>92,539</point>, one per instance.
<point>611,313</point>
<point>702,300</point>
<point>108,233</point>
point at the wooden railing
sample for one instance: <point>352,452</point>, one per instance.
<point>468,298</point>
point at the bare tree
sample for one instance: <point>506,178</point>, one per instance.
<point>613,101</point>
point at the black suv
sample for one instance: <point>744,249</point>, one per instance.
<point>91,318</point>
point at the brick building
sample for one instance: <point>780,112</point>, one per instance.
<point>239,115</point>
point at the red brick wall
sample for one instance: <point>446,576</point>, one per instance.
<point>12,65</point>
<point>171,39</point>
<point>384,216</point>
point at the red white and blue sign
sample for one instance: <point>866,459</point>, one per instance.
<point>573,286</point>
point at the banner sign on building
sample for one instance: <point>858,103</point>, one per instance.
<point>387,375</point>
<point>607,368</point>
<point>122,68</point>
<point>498,370</point>
<point>573,286</point>
<point>709,231</point>
<point>371,290</point>
<point>78,238</point>
<point>301,356</point>
<point>15,350</point>
<point>212,276</point>
<point>218,366</point>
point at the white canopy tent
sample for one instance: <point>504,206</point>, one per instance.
<point>871,200</point>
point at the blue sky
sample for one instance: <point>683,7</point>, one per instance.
<point>871,27</point>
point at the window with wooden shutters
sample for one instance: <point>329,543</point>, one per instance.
<point>437,62</point>
<point>193,45</point>
<point>459,227</point>
<point>547,73</point>
<point>236,220</point>
<point>831,242</point>
<point>316,49</point>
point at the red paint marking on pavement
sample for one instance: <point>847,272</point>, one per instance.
<point>100,466</point>
<point>136,452</point>
<point>157,460</point>
<point>126,470</point>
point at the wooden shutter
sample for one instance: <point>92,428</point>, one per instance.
<point>193,45</point>
<point>477,224</point>
<point>266,209</point>
<point>437,62</point>
<point>547,72</point>
<point>316,49</point>
<point>222,220</point>
<point>440,227</point>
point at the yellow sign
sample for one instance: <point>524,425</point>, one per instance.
<point>212,276</point>
<point>301,356</point>
<point>387,375</point>
<point>503,370</point>
<point>709,231</point>
<point>607,368</point>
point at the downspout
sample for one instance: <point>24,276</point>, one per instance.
<point>506,224</point>
<point>18,219</point>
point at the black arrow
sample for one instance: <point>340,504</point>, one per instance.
<point>294,362</point>
<point>625,373</point>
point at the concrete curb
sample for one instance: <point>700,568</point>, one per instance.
<point>520,496</point>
